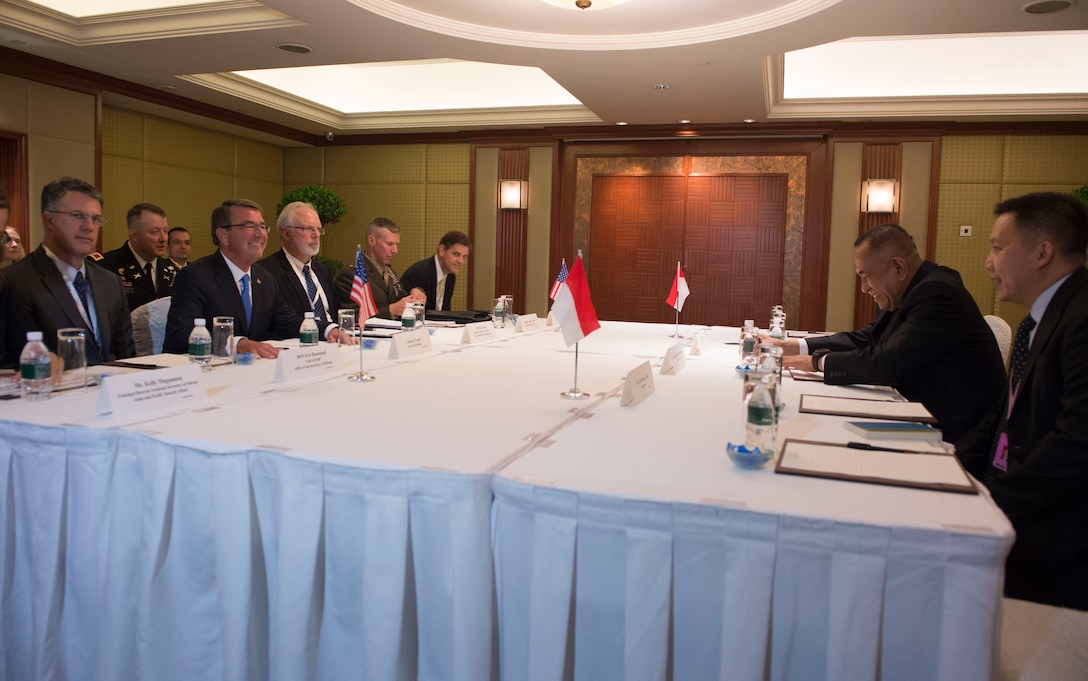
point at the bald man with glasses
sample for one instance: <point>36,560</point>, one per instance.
<point>230,282</point>
<point>305,284</point>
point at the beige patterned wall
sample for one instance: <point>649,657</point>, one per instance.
<point>186,170</point>
<point>424,188</point>
<point>978,172</point>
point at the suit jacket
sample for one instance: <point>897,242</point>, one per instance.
<point>206,288</point>
<point>935,349</point>
<point>139,289</point>
<point>291,288</point>
<point>384,294</point>
<point>1045,490</point>
<point>37,299</point>
<point>424,276</point>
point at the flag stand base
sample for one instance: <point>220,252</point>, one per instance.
<point>361,377</point>
<point>574,394</point>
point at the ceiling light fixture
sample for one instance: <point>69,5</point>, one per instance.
<point>1047,6</point>
<point>684,121</point>
<point>662,86</point>
<point>295,48</point>
<point>582,5</point>
<point>749,120</point>
<point>621,122</point>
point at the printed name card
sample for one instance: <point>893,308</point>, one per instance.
<point>294,364</point>
<point>638,385</point>
<point>143,391</point>
<point>674,359</point>
<point>408,343</point>
<point>697,342</point>
<point>551,319</point>
<point>478,332</point>
<point>527,322</point>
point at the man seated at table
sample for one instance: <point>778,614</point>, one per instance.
<point>435,277</point>
<point>229,282</point>
<point>929,340</point>
<point>178,246</point>
<point>140,262</point>
<point>1032,449</point>
<point>54,287</point>
<point>305,284</point>
<point>390,295</point>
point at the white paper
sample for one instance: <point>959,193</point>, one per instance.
<point>478,332</point>
<point>143,391</point>
<point>845,406</point>
<point>407,343</point>
<point>929,469</point>
<point>638,385</point>
<point>527,322</point>
<point>674,359</point>
<point>294,364</point>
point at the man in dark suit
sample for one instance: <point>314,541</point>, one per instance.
<point>55,288</point>
<point>230,282</point>
<point>140,262</point>
<point>1032,451</point>
<point>435,277</point>
<point>929,340</point>
<point>390,295</point>
<point>305,284</point>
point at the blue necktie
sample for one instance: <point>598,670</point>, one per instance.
<point>315,300</point>
<point>246,302</point>
<point>81,289</point>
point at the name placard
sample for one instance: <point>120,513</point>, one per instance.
<point>551,319</point>
<point>697,342</point>
<point>294,364</point>
<point>638,385</point>
<point>143,391</point>
<point>408,343</point>
<point>674,359</point>
<point>478,332</point>
<point>527,322</point>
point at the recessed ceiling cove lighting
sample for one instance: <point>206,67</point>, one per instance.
<point>621,122</point>
<point>684,121</point>
<point>1047,6</point>
<point>295,48</point>
<point>749,120</point>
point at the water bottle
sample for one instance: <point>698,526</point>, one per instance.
<point>308,333</point>
<point>762,428</point>
<point>749,336</point>
<point>200,345</point>
<point>35,369</point>
<point>408,318</point>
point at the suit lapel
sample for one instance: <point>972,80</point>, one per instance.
<point>100,292</point>
<point>293,284</point>
<point>1054,312</point>
<point>54,283</point>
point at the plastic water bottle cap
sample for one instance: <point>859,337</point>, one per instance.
<point>32,336</point>
<point>199,321</point>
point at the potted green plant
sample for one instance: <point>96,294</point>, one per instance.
<point>1082,194</point>
<point>329,206</point>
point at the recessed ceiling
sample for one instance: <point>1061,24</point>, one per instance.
<point>94,8</point>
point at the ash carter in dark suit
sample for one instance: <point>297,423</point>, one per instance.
<point>1035,461</point>
<point>140,262</point>
<point>439,273</point>
<point>41,291</point>
<point>929,340</point>
<point>390,295</point>
<point>300,235</point>
<point>214,285</point>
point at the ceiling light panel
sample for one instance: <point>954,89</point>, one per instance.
<point>92,8</point>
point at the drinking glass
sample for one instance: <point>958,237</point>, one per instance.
<point>72,352</point>
<point>222,340</point>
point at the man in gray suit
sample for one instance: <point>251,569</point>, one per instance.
<point>53,288</point>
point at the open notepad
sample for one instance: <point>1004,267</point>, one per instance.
<point>926,470</point>
<point>855,406</point>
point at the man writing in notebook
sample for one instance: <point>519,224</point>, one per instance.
<point>928,341</point>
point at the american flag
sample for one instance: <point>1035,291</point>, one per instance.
<point>360,290</point>
<point>562,277</point>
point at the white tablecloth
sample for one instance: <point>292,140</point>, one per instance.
<point>329,530</point>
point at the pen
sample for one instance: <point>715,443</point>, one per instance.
<point>869,447</point>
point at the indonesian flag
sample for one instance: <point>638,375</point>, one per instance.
<point>679,291</point>
<point>573,308</point>
<point>360,290</point>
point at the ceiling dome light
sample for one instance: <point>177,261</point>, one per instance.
<point>582,5</point>
<point>1047,6</point>
<point>684,121</point>
<point>621,122</point>
<point>295,48</point>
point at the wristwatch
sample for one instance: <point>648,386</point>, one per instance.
<point>818,358</point>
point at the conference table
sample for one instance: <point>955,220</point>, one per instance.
<point>457,519</point>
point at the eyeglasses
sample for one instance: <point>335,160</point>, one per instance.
<point>80,216</point>
<point>309,230</point>
<point>251,227</point>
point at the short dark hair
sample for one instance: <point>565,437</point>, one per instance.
<point>454,238</point>
<point>888,237</point>
<point>53,192</point>
<point>222,212</point>
<point>136,211</point>
<point>382,223</point>
<point>1052,216</point>
<point>170,234</point>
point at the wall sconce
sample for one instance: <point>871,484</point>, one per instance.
<point>879,196</point>
<point>513,194</point>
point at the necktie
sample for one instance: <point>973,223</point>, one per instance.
<point>246,302</point>
<point>1019,357</point>
<point>394,284</point>
<point>315,300</point>
<point>440,293</point>
<point>81,289</point>
<point>149,274</point>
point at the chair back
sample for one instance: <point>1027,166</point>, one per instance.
<point>149,326</point>
<point>1003,334</point>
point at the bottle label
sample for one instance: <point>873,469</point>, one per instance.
<point>760,416</point>
<point>307,338</point>
<point>408,322</point>
<point>748,347</point>
<point>200,349</point>
<point>36,371</point>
